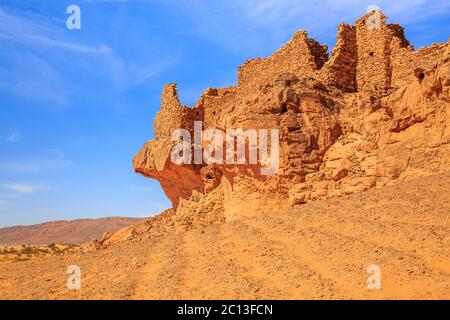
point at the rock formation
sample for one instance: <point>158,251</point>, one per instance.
<point>376,112</point>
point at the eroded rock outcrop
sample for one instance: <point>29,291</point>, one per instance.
<point>376,112</point>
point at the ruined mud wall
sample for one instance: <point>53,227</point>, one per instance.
<point>376,112</point>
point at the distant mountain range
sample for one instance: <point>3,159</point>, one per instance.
<point>67,232</point>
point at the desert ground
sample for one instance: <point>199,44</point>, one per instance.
<point>320,250</point>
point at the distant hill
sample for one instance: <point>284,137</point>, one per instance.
<point>68,232</point>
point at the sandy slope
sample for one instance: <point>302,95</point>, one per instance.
<point>318,250</point>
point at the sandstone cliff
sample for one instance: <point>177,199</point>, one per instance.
<point>376,112</point>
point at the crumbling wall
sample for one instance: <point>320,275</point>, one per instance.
<point>301,56</point>
<point>173,115</point>
<point>340,70</point>
<point>409,65</point>
<point>376,112</point>
<point>373,70</point>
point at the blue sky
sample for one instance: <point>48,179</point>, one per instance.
<point>76,105</point>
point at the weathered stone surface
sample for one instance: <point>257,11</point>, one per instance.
<point>375,113</point>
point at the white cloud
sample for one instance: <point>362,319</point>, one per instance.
<point>23,188</point>
<point>8,196</point>
<point>3,204</point>
<point>262,25</point>
<point>138,74</point>
<point>30,74</point>
<point>14,136</point>
<point>39,32</point>
<point>56,161</point>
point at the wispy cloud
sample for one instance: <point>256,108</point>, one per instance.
<point>56,161</point>
<point>14,136</point>
<point>254,25</point>
<point>29,76</point>
<point>8,196</point>
<point>139,74</point>
<point>40,32</point>
<point>3,204</point>
<point>23,188</point>
<point>29,73</point>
